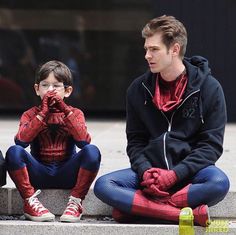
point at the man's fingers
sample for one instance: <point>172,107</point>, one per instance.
<point>158,192</point>
<point>147,182</point>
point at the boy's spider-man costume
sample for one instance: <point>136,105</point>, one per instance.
<point>53,161</point>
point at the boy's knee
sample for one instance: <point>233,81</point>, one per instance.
<point>12,152</point>
<point>92,155</point>
<point>14,156</point>
<point>91,149</point>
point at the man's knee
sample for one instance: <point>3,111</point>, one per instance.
<point>101,187</point>
<point>108,190</point>
<point>221,185</point>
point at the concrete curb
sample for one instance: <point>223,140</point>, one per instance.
<point>56,199</point>
<point>53,199</point>
<point>83,227</point>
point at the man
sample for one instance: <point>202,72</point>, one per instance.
<point>176,117</point>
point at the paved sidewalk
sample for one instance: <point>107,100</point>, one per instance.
<point>109,136</point>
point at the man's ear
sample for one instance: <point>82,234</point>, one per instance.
<point>36,88</point>
<point>68,91</point>
<point>175,49</point>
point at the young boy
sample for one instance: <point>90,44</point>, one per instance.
<point>53,130</point>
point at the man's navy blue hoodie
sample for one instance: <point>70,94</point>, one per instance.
<point>186,140</point>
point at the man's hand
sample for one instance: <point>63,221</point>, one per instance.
<point>150,175</point>
<point>166,179</point>
<point>157,181</point>
<point>149,178</point>
<point>154,191</point>
<point>61,105</point>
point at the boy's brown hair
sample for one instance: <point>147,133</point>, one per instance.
<point>61,72</point>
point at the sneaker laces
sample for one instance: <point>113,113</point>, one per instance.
<point>35,203</point>
<point>74,205</point>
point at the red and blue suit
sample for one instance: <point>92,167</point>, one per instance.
<point>53,161</point>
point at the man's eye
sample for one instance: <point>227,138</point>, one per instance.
<point>45,85</point>
<point>153,49</point>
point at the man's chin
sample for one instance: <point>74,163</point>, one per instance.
<point>154,70</point>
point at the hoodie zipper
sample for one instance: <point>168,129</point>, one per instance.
<point>169,122</point>
<point>164,138</point>
<point>150,93</point>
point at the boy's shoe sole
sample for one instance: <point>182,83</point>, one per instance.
<point>44,218</point>
<point>70,218</point>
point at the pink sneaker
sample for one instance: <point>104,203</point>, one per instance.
<point>73,211</point>
<point>35,211</point>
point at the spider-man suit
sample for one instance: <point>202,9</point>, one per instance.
<point>53,161</point>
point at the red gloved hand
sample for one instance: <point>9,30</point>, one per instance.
<point>61,105</point>
<point>149,178</point>
<point>166,179</point>
<point>45,103</point>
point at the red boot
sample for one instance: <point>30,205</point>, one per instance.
<point>202,216</point>
<point>180,198</point>
<point>33,208</point>
<point>84,180</point>
<point>161,210</point>
<point>122,217</point>
<point>73,211</point>
<point>21,179</point>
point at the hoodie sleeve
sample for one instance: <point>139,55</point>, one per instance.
<point>137,137</point>
<point>208,146</point>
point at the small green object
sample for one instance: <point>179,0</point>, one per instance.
<point>186,224</point>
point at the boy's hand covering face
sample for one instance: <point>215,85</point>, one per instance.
<point>60,104</point>
<point>46,102</point>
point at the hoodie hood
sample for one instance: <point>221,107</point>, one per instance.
<point>197,70</point>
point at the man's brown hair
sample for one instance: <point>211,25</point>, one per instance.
<point>172,30</point>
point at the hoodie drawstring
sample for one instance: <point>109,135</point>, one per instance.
<point>200,109</point>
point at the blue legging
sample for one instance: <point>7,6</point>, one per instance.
<point>209,186</point>
<point>61,175</point>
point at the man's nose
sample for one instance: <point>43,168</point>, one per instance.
<point>147,55</point>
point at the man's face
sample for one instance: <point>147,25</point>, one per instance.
<point>159,58</point>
